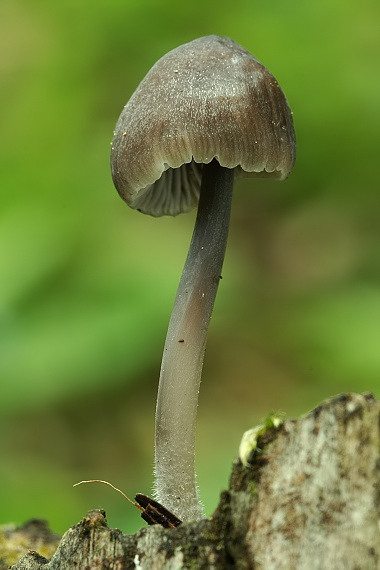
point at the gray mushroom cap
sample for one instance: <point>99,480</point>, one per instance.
<point>206,99</point>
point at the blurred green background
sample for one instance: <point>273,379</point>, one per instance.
<point>87,285</point>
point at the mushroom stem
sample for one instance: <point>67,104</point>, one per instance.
<point>184,349</point>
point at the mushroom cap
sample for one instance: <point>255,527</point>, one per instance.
<point>206,99</point>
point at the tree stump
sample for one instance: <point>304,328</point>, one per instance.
<point>308,497</point>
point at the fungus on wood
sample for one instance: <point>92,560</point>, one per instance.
<point>206,113</point>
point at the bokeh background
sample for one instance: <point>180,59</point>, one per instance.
<point>87,285</point>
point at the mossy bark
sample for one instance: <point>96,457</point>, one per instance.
<point>308,498</point>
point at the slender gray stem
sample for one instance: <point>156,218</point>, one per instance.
<point>182,360</point>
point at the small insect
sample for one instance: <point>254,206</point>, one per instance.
<point>155,513</point>
<point>151,511</point>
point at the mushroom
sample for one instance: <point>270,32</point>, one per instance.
<point>205,113</point>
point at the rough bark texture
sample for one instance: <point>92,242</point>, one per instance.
<point>308,499</point>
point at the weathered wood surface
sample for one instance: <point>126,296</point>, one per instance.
<point>309,499</point>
